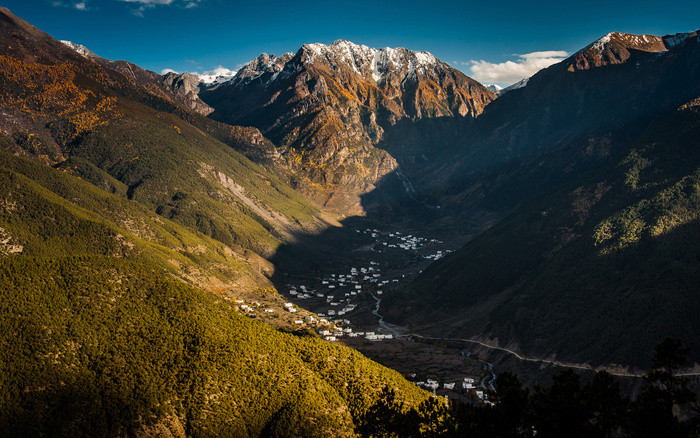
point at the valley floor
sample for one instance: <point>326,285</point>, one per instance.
<point>363,262</point>
<point>368,261</point>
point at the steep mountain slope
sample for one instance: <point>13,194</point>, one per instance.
<point>67,110</point>
<point>327,107</point>
<point>105,328</point>
<point>569,118</point>
<point>182,89</point>
<point>594,272</point>
<point>614,87</point>
<point>49,213</point>
<point>101,334</point>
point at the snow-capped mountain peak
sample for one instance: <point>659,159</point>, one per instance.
<point>614,48</point>
<point>263,64</point>
<point>369,62</point>
<point>520,84</point>
<point>494,88</point>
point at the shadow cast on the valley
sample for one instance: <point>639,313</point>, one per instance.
<point>402,199</point>
<point>387,206</point>
<point>435,193</point>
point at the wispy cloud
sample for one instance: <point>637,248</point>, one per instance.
<point>510,72</point>
<point>219,71</point>
<point>79,5</point>
<point>144,5</point>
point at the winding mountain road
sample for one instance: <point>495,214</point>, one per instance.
<point>547,361</point>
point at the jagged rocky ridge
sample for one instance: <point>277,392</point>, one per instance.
<point>327,107</point>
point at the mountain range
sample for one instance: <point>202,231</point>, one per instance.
<point>328,109</point>
<point>126,233</point>
<point>597,159</point>
<point>136,208</point>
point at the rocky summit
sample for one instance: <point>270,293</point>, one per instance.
<point>327,107</point>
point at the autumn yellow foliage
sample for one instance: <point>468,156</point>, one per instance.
<point>51,89</point>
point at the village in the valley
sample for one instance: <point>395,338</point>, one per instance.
<point>343,305</point>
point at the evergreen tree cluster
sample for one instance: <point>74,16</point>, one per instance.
<point>666,407</point>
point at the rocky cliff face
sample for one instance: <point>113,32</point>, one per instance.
<point>186,89</point>
<point>327,107</point>
<point>614,48</point>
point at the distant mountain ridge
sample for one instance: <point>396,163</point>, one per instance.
<point>183,89</point>
<point>326,107</point>
<point>392,70</point>
<point>597,159</point>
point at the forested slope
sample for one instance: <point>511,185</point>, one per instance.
<point>103,334</point>
<point>596,271</point>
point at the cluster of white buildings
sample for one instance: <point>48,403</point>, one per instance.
<point>438,255</point>
<point>407,242</point>
<point>339,290</point>
<point>467,384</point>
<point>330,335</point>
<point>333,295</point>
<point>250,309</point>
<point>302,293</point>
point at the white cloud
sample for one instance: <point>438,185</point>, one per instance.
<point>150,4</point>
<point>220,71</point>
<point>510,72</point>
<point>81,5</point>
<point>165,71</point>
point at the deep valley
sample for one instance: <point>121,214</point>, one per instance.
<point>349,241</point>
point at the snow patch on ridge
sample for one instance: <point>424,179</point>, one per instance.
<point>672,41</point>
<point>376,63</point>
<point>80,49</point>
<point>599,45</point>
<point>520,84</point>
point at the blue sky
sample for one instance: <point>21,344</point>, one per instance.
<point>494,42</point>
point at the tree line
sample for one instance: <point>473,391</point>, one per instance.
<point>665,407</point>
